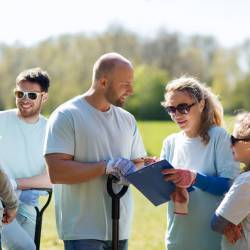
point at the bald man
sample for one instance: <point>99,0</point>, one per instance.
<point>89,137</point>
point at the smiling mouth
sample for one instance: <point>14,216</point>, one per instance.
<point>25,106</point>
<point>181,122</point>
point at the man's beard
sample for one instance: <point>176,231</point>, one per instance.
<point>113,99</point>
<point>32,112</point>
<point>119,103</point>
<point>28,114</point>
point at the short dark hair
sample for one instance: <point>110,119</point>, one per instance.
<point>35,75</point>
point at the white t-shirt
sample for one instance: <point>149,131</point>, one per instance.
<point>83,211</point>
<point>192,231</point>
<point>235,208</point>
<point>21,150</point>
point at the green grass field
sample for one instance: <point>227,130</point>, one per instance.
<point>149,221</point>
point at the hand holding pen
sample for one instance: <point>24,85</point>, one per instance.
<point>144,161</point>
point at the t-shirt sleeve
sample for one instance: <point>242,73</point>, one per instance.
<point>137,149</point>
<point>235,205</point>
<point>167,149</point>
<point>164,150</point>
<point>7,193</point>
<point>225,164</point>
<point>60,137</point>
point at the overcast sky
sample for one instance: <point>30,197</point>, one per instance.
<point>29,21</point>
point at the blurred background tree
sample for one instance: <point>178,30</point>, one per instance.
<point>69,60</point>
<point>149,89</point>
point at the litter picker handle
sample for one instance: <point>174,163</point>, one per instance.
<point>115,209</point>
<point>112,179</point>
<point>39,216</point>
<point>115,196</point>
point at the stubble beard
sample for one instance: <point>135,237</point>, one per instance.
<point>113,99</point>
<point>33,112</point>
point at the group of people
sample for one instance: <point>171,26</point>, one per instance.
<point>91,136</point>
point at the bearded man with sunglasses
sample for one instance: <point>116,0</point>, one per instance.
<point>22,132</point>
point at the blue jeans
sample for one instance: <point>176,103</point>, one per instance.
<point>19,234</point>
<point>93,245</point>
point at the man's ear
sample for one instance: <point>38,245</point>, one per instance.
<point>45,97</point>
<point>103,82</point>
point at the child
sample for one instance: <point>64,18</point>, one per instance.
<point>232,217</point>
<point>202,159</point>
<point>9,200</point>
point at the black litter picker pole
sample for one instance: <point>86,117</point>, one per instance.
<point>39,216</point>
<point>115,209</point>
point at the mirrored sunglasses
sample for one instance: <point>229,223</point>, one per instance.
<point>235,140</point>
<point>182,108</point>
<point>26,94</point>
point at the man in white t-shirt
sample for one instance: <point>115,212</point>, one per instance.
<point>89,137</point>
<point>22,133</point>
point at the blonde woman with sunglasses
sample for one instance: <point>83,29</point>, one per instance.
<point>232,217</point>
<point>203,164</point>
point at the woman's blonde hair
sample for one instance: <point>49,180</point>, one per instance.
<point>212,113</point>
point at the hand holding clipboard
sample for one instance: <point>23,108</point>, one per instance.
<point>149,180</point>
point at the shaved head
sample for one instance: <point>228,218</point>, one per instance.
<point>106,64</point>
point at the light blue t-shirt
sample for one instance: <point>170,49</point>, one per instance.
<point>21,150</point>
<point>192,231</point>
<point>83,211</point>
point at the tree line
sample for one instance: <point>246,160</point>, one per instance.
<point>69,60</point>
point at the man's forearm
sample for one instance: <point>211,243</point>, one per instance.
<point>38,181</point>
<point>64,170</point>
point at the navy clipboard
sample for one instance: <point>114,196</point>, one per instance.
<point>150,182</point>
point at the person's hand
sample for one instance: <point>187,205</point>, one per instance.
<point>120,166</point>
<point>9,214</point>
<point>122,181</point>
<point>144,161</point>
<point>183,178</point>
<point>150,160</point>
<point>233,232</point>
<point>30,197</point>
<point>180,198</point>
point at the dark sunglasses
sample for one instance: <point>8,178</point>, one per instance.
<point>26,94</point>
<point>234,140</point>
<point>182,108</point>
